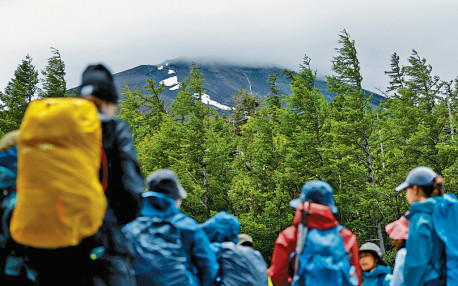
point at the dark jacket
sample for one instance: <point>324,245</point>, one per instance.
<point>321,217</point>
<point>201,262</point>
<point>125,183</point>
<point>425,256</point>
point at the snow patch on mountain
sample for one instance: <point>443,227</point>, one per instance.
<point>160,68</point>
<point>170,81</point>
<point>174,87</point>
<point>171,71</point>
<point>206,99</point>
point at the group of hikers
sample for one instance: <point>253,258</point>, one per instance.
<point>86,219</point>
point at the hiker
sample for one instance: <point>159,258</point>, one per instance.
<point>124,184</point>
<point>60,202</point>
<point>73,236</point>
<point>398,232</point>
<point>239,265</point>
<point>170,247</point>
<point>425,259</point>
<point>13,267</point>
<point>313,223</point>
<point>376,271</point>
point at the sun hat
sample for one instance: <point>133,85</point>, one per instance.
<point>318,192</point>
<point>420,176</point>
<point>374,249</point>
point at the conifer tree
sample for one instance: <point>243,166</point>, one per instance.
<point>396,75</point>
<point>346,64</point>
<point>143,113</point>
<point>246,106</point>
<point>194,114</point>
<point>54,84</point>
<point>309,111</point>
<point>353,129</point>
<point>19,92</point>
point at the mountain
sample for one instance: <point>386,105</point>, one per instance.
<point>222,81</point>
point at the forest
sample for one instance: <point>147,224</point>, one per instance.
<point>253,161</point>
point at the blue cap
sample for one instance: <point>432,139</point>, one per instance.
<point>420,176</point>
<point>318,192</point>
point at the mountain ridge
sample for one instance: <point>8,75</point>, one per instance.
<point>222,80</point>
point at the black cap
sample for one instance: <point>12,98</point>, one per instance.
<point>165,181</point>
<point>98,81</point>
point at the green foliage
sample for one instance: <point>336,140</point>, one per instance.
<point>395,74</point>
<point>54,84</point>
<point>19,91</point>
<point>143,113</point>
<point>346,63</point>
<point>254,161</point>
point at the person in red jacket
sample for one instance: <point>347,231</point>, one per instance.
<point>322,208</point>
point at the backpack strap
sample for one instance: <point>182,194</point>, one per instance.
<point>104,167</point>
<point>302,232</point>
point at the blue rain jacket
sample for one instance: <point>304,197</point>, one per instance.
<point>8,167</point>
<point>424,259</point>
<point>201,260</point>
<point>372,278</point>
<point>446,225</point>
<point>222,227</point>
<point>239,265</point>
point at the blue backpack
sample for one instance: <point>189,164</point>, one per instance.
<point>240,265</point>
<point>446,225</point>
<point>320,257</point>
<point>159,257</point>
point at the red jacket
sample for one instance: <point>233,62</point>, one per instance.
<point>320,217</point>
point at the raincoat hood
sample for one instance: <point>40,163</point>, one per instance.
<point>222,227</point>
<point>156,204</point>
<point>427,206</point>
<point>321,216</point>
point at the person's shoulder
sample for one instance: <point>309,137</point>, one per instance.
<point>346,233</point>
<point>185,221</point>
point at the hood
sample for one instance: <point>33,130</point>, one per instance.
<point>222,227</point>
<point>380,269</point>
<point>159,205</point>
<point>320,216</point>
<point>427,206</point>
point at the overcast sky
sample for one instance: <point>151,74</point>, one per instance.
<point>128,33</point>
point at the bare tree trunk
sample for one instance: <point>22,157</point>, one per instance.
<point>368,159</point>
<point>452,130</point>
<point>380,238</point>
<point>381,144</point>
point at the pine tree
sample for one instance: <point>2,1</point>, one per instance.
<point>19,92</point>
<point>54,84</point>
<point>309,111</point>
<point>346,64</point>
<point>143,113</point>
<point>246,106</point>
<point>194,114</point>
<point>396,75</point>
<point>353,128</point>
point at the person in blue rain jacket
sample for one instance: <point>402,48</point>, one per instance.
<point>376,271</point>
<point>425,259</point>
<point>161,204</point>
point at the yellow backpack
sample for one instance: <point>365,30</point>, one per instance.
<point>60,197</point>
